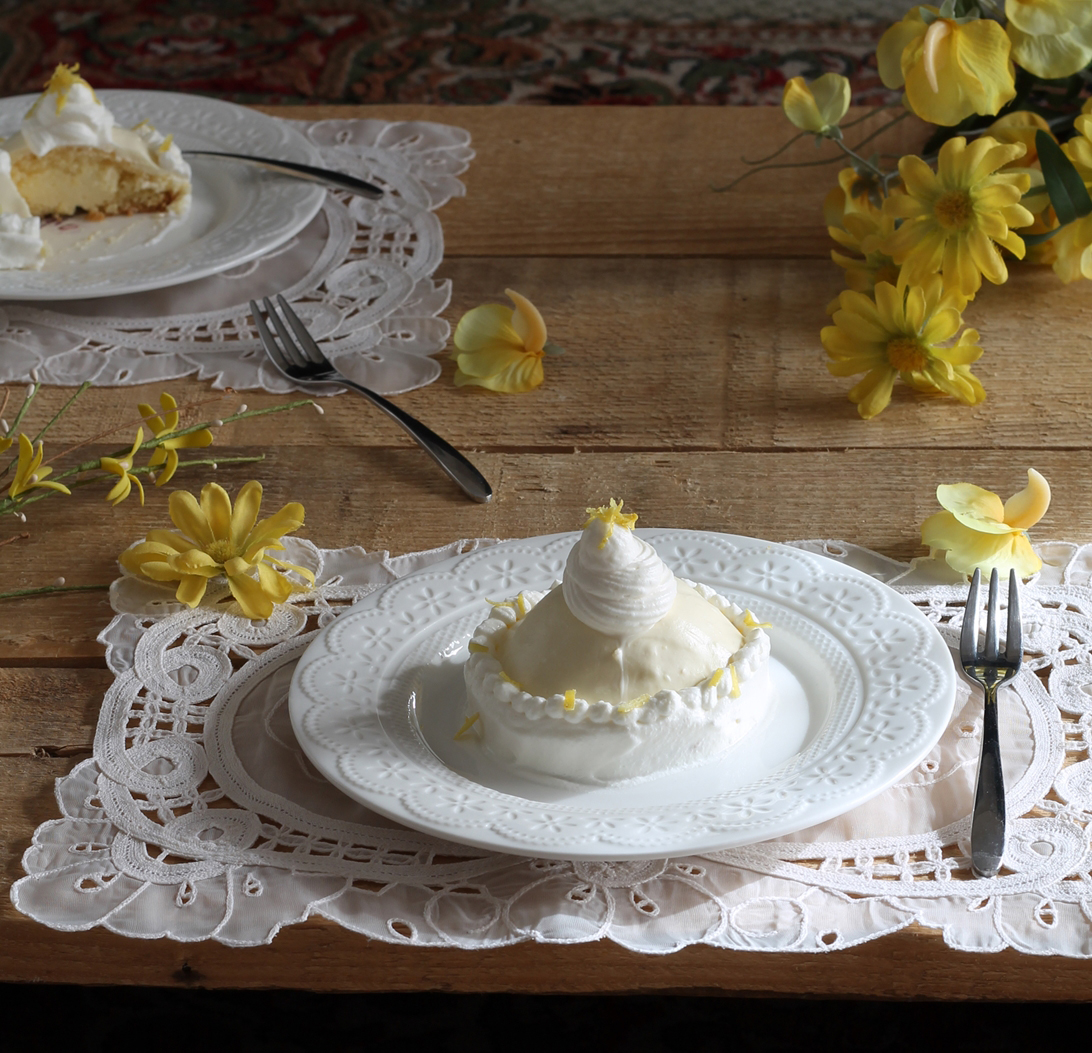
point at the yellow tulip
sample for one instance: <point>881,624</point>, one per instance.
<point>1050,38</point>
<point>819,106</point>
<point>977,531</point>
<point>950,68</point>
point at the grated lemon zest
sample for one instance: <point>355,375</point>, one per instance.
<point>752,623</point>
<point>166,144</point>
<point>633,703</point>
<point>476,648</point>
<point>570,700</point>
<point>613,516</point>
<point>715,678</point>
<point>521,606</point>
<point>735,692</point>
<point>467,725</point>
<point>508,680</point>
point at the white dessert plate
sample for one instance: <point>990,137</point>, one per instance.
<point>864,686</point>
<point>237,213</point>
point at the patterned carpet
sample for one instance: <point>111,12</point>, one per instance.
<point>444,51</point>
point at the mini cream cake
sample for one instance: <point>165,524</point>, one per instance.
<point>69,156</point>
<point>620,672</point>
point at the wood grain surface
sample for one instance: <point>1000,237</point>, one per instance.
<point>693,386</point>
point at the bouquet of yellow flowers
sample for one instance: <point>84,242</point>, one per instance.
<point>1005,173</point>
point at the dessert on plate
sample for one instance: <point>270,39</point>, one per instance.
<point>70,156</point>
<point>618,672</point>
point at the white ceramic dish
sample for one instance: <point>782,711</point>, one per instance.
<point>237,214</point>
<point>864,687</point>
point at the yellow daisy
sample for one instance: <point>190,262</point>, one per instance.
<point>900,335</point>
<point>976,530</point>
<point>862,229</point>
<point>167,451</point>
<point>216,540</point>
<point>953,220</point>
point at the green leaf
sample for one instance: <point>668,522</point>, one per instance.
<point>1067,191</point>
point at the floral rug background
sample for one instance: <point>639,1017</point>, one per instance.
<point>599,52</point>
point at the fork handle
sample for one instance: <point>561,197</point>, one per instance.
<point>472,482</point>
<point>988,819</point>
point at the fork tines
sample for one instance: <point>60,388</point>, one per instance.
<point>968,642</point>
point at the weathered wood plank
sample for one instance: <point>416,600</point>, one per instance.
<point>675,355</point>
<point>633,180</point>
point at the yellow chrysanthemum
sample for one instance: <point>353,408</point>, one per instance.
<point>501,347</point>
<point>819,106</point>
<point>900,334</point>
<point>862,229</point>
<point>954,219</point>
<point>29,472</point>
<point>950,68</point>
<point>215,541</point>
<point>167,451</point>
<point>123,468</point>
<point>1050,38</point>
<point>977,531</point>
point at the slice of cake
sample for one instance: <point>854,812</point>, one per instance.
<point>619,672</point>
<point>69,156</point>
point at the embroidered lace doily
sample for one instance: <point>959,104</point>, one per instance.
<point>198,816</point>
<point>360,275</point>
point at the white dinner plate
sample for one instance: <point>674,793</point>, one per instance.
<point>864,687</point>
<point>237,213</point>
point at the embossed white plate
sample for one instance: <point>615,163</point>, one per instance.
<point>864,687</point>
<point>237,214</point>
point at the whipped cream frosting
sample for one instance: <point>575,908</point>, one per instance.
<point>614,581</point>
<point>21,243</point>
<point>68,114</point>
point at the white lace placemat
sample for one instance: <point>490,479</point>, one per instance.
<point>360,275</point>
<point>199,817</point>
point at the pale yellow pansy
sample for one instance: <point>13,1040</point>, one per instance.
<point>501,348</point>
<point>216,540</point>
<point>819,106</point>
<point>949,68</point>
<point>1050,38</point>
<point>977,531</point>
<point>166,453</point>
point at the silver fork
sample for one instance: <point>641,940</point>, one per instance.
<point>301,360</point>
<point>991,669</point>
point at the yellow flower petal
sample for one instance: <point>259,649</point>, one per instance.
<point>487,327</point>
<point>186,514</point>
<point>216,505</point>
<point>527,322</point>
<point>819,106</point>
<point>245,514</point>
<point>500,370</point>
<point>974,507</point>
<point>1025,509</point>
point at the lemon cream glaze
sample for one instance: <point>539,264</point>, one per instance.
<point>69,155</point>
<point>620,672</point>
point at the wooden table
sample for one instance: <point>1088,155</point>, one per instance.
<point>694,387</point>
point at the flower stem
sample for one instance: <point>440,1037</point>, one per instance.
<point>47,590</point>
